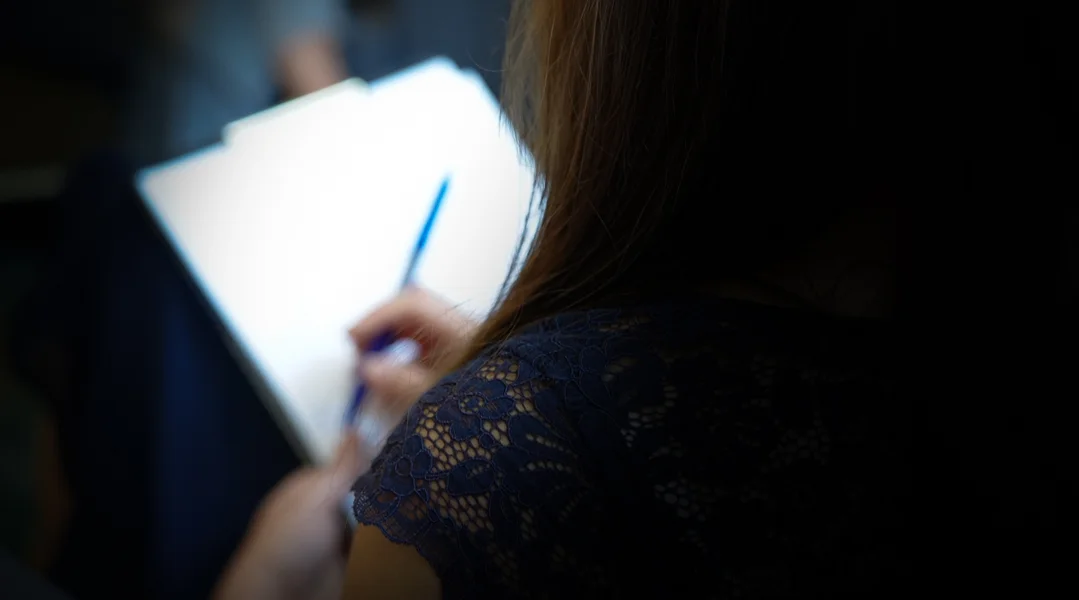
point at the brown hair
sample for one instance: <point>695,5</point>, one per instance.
<point>667,133</point>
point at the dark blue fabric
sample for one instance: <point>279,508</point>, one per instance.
<point>700,449</point>
<point>167,445</point>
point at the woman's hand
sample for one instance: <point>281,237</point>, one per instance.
<point>296,546</point>
<point>441,331</point>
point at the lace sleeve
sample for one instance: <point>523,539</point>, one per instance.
<point>484,461</point>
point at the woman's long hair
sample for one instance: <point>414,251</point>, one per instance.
<point>679,140</point>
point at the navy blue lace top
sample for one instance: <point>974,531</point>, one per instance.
<point>716,449</point>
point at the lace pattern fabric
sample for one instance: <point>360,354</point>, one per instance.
<point>612,452</point>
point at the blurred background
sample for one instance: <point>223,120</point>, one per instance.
<point>89,92</point>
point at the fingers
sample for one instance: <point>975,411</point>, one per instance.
<point>397,385</point>
<point>417,315</point>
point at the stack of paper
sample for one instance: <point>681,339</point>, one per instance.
<point>303,220</point>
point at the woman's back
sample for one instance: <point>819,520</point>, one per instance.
<point>709,446</point>
<point>690,446</point>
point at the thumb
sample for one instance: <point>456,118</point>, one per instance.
<point>396,384</point>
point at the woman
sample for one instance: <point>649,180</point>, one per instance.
<point>687,387</point>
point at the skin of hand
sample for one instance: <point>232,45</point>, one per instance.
<point>297,543</point>
<point>296,546</point>
<point>442,332</point>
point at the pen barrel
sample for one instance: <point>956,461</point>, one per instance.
<point>381,343</point>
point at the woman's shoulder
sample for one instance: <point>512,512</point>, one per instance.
<point>595,419</point>
<point>594,345</point>
<point>616,385</point>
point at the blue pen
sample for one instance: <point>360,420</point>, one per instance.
<point>387,338</point>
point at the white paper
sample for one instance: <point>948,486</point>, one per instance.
<point>298,227</point>
<point>333,101</point>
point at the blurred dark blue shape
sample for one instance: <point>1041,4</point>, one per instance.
<point>168,448</point>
